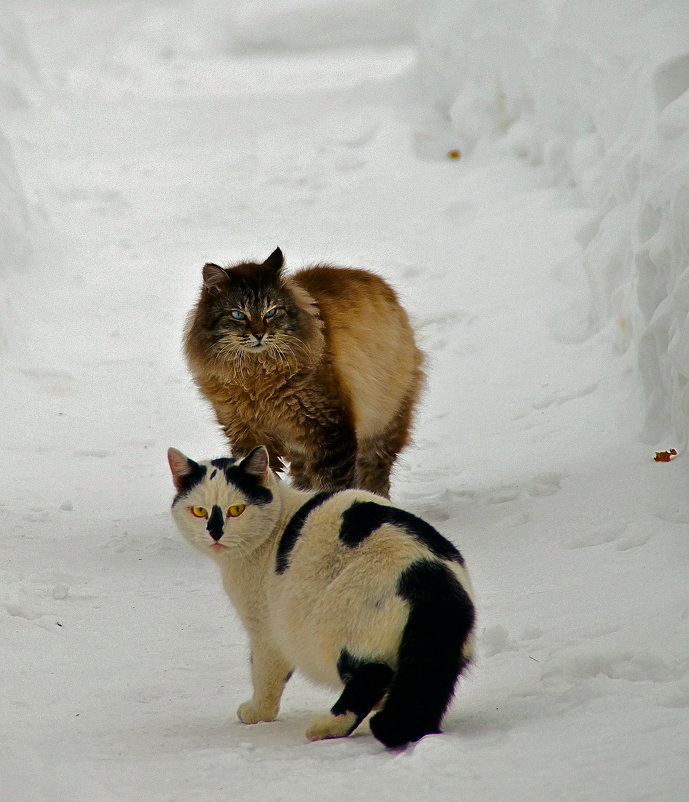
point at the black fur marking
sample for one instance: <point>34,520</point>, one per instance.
<point>223,463</point>
<point>441,617</point>
<point>294,527</point>
<point>213,475</point>
<point>364,517</point>
<point>347,664</point>
<point>365,685</point>
<point>190,480</point>
<point>215,523</point>
<point>248,484</point>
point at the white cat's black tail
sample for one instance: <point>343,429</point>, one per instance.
<point>431,656</point>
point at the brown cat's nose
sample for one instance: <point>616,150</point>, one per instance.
<point>215,523</point>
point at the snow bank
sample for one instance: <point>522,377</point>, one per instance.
<point>18,78</point>
<point>14,215</point>
<point>598,92</point>
<point>18,82</point>
<point>296,24</point>
<point>136,33</point>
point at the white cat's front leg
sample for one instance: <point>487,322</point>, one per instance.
<point>269,674</point>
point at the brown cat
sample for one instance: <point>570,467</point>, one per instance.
<point>320,367</point>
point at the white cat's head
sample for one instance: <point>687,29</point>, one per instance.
<point>225,507</point>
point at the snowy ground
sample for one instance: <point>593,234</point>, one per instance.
<point>142,140</point>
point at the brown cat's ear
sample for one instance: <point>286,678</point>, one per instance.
<point>275,261</point>
<point>180,466</point>
<point>214,277</point>
<point>256,463</point>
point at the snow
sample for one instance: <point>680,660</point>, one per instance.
<point>546,274</point>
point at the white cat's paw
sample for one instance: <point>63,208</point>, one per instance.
<point>251,713</point>
<point>330,726</point>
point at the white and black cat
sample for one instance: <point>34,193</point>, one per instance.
<point>338,584</point>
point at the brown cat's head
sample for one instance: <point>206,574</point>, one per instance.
<point>250,313</point>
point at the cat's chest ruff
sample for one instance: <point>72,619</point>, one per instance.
<point>258,385</point>
<point>296,394</point>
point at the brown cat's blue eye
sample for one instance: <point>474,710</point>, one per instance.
<point>236,510</point>
<point>237,315</point>
<point>199,512</point>
<point>270,313</point>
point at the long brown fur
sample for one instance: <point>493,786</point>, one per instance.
<point>327,381</point>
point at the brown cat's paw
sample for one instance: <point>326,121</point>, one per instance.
<point>251,713</point>
<point>330,726</point>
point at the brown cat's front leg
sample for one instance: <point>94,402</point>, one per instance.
<point>243,442</point>
<point>329,463</point>
<point>269,674</point>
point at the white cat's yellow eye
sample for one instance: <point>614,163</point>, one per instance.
<point>199,512</point>
<point>236,510</point>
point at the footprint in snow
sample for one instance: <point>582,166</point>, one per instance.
<point>587,662</point>
<point>558,399</point>
<point>32,598</point>
<point>495,640</point>
<point>598,536</point>
<point>544,484</point>
<point>38,515</point>
<point>53,382</point>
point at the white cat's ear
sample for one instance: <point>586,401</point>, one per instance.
<point>180,466</point>
<point>257,463</point>
<point>214,277</point>
<point>275,261</point>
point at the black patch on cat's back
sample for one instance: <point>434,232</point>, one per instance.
<point>364,517</point>
<point>294,527</point>
<point>248,484</point>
